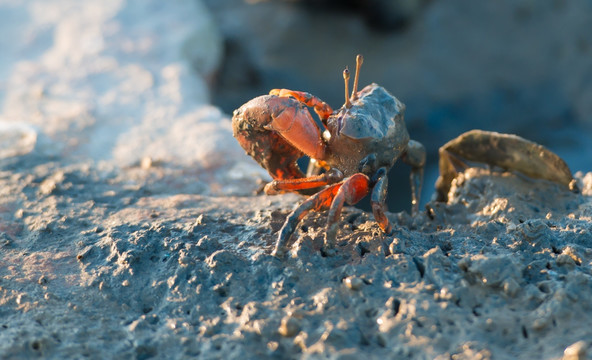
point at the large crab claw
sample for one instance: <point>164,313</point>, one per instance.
<point>510,152</point>
<point>277,131</point>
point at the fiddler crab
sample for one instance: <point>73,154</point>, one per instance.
<point>353,150</point>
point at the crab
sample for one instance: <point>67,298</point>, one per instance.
<point>351,153</point>
<point>353,148</point>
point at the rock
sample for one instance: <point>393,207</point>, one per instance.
<point>119,82</point>
<point>576,351</point>
<point>99,93</point>
<point>353,283</point>
<point>16,139</point>
<point>289,327</point>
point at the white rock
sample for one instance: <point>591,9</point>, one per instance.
<point>16,139</point>
<point>114,80</point>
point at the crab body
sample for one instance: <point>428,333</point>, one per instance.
<point>372,127</point>
<point>351,152</point>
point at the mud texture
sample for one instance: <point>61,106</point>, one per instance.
<point>99,263</point>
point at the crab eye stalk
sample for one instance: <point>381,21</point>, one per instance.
<point>346,80</point>
<point>359,62</point>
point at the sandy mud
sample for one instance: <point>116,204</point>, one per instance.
<point>95,265</point>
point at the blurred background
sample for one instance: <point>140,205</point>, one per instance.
<point>522,67</point>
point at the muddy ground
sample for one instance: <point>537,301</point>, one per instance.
<point>112,264</point>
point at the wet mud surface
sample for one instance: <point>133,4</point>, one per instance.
<point>99,263</point>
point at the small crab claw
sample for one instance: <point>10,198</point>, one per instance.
<point>507,151</point>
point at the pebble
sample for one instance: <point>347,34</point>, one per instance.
<point>353,282</point>
<point>576,351</point>
<point>21,299</point>
<point>184,260</point>
<point>397,246</point>
<point>146,162</point>
<point>541,323</point>
<point>444,295</point>
<point>199,220</point>
<point>289,326</point>
<point>511,287</point>
<point>16,139</point>
<point>565,260</point>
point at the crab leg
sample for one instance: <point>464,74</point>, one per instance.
<point>378,198</point>
<point>352,190</point>
<point>320,201</point>
<point>416,157</point>
<point>278,186</point>
<point>320,107</point>
<point>507,151</point>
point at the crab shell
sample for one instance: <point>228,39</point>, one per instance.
<point>373,125</point>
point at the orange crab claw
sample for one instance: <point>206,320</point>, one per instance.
<point>276,132</point>
<point>320,107</point>
<point>295,124</point>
